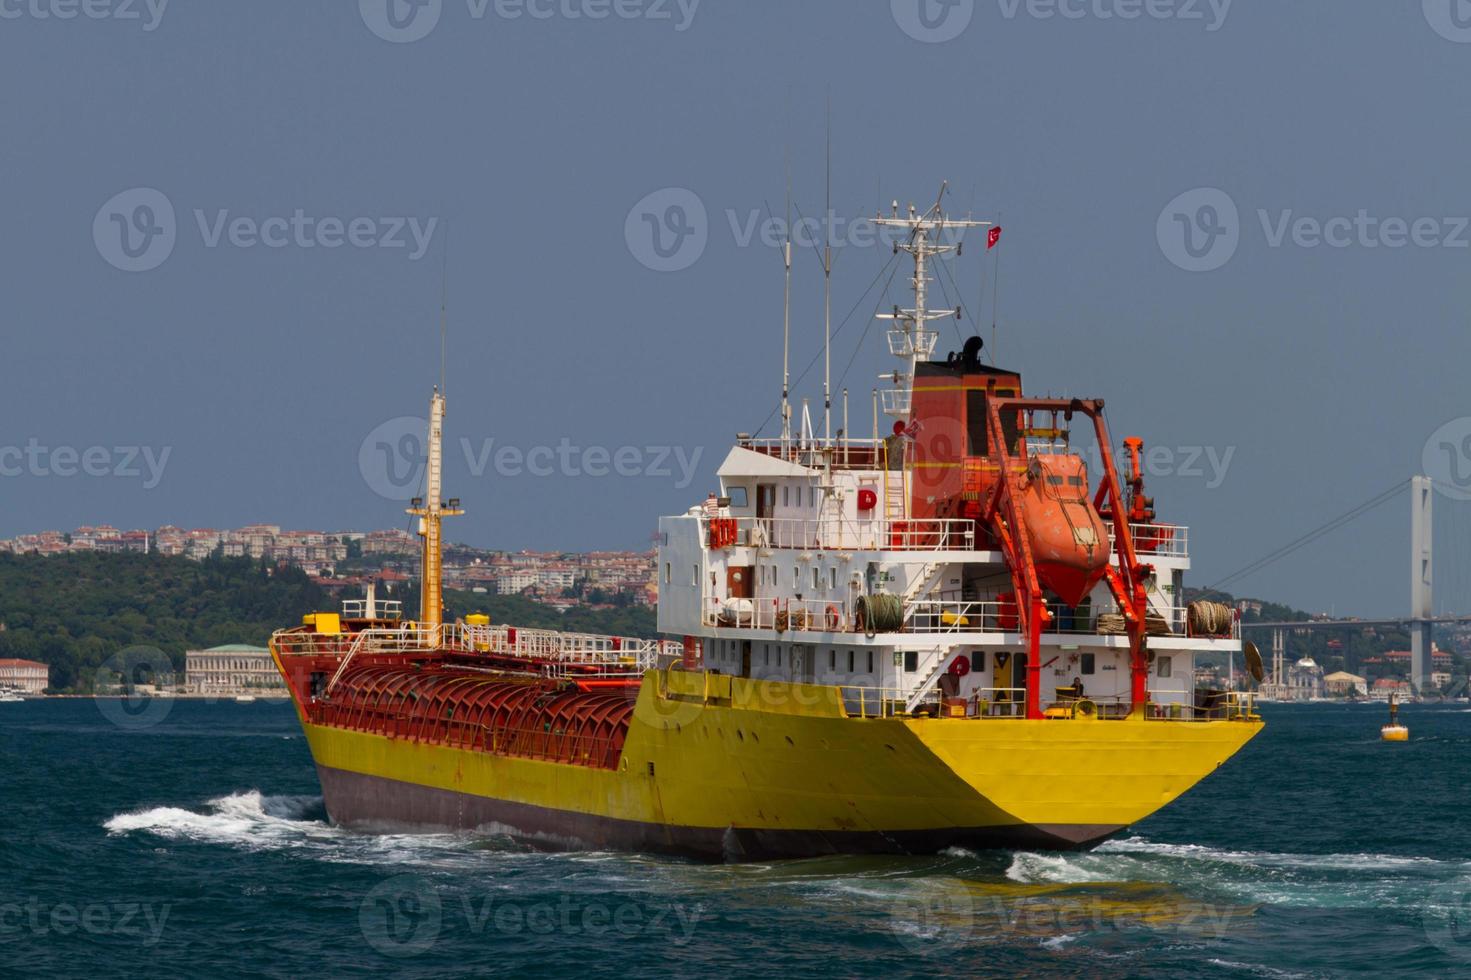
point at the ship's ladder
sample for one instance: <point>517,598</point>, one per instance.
<point>942,663</point>
<point>896,491</point>
<point>929,578</point>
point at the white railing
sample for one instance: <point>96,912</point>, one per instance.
<point>906,343</point>
<point>999,702</point>
<point>862,701</point>
<point>617,653</point>
<point>838,533</point>
<point>993,616</point>
<point>896,401</point>
<point>382,609</point>
<point>782,615</point>
<point>1169,540</point>
<point>567,648</point>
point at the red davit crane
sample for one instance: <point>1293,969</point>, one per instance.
<point>1006,514</point>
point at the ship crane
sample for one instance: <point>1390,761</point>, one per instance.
<point>1005,514</point>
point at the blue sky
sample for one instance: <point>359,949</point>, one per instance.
<point>287,178</point>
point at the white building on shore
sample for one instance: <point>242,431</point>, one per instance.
<point>231,669</point>
<point>25,675</point>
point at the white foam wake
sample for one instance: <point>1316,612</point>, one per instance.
<point>245,818</point>
<point>1268,859</point>
<point>255,821</point>
<point>1298,880</point>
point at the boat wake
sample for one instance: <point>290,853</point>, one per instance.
<point>255,821</point>
<point>1322,881</point>
<point>244,818</point>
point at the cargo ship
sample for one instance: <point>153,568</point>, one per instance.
<point>967,630</point>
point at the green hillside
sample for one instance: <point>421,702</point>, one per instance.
<point>74,611</point>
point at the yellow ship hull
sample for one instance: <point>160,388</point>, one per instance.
<point>727,768</point>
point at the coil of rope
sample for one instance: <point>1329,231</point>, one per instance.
<point>1208,618</point>
<point>879,613</point>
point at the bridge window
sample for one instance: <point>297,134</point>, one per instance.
<point>786,495</point>
<point>1164,666</point>
<point>911,661</point>
<point>978,661</point>
<point>666,573</point>
<point>1087,662</point>
<point>737,496</point>
<point>870,661</point>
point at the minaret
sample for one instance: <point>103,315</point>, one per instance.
<point>431,509</point>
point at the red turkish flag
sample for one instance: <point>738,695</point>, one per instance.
<point>992,237</point>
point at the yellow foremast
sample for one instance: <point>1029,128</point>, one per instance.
<point>431,510</point>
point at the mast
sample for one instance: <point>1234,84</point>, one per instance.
<point>786,326</point>
<point>431,509</point>
<point>827,288</point>
<point>911,342</point>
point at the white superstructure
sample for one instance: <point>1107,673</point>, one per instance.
<point>776,574</point>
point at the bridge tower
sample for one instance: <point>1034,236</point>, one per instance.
<point>1421,604</point>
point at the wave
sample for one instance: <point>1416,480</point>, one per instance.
<point>255,821</point>
<point>1337,862</point>
<point>249,817</point>
<point>1344,880</point>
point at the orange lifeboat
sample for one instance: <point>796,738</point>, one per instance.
<point>1068,539</point>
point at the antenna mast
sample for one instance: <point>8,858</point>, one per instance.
<point>786,321</point>
<point>827,286</point>
<point>912,342</point>
<point>444,308</point>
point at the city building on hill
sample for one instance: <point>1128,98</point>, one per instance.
<point>1385,686</point>
<point>232,669</point>
<point>1439,659</point>
<point>1343,684</point>
<point>25,675</point>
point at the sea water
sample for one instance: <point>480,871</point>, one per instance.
<point>190,839</point>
